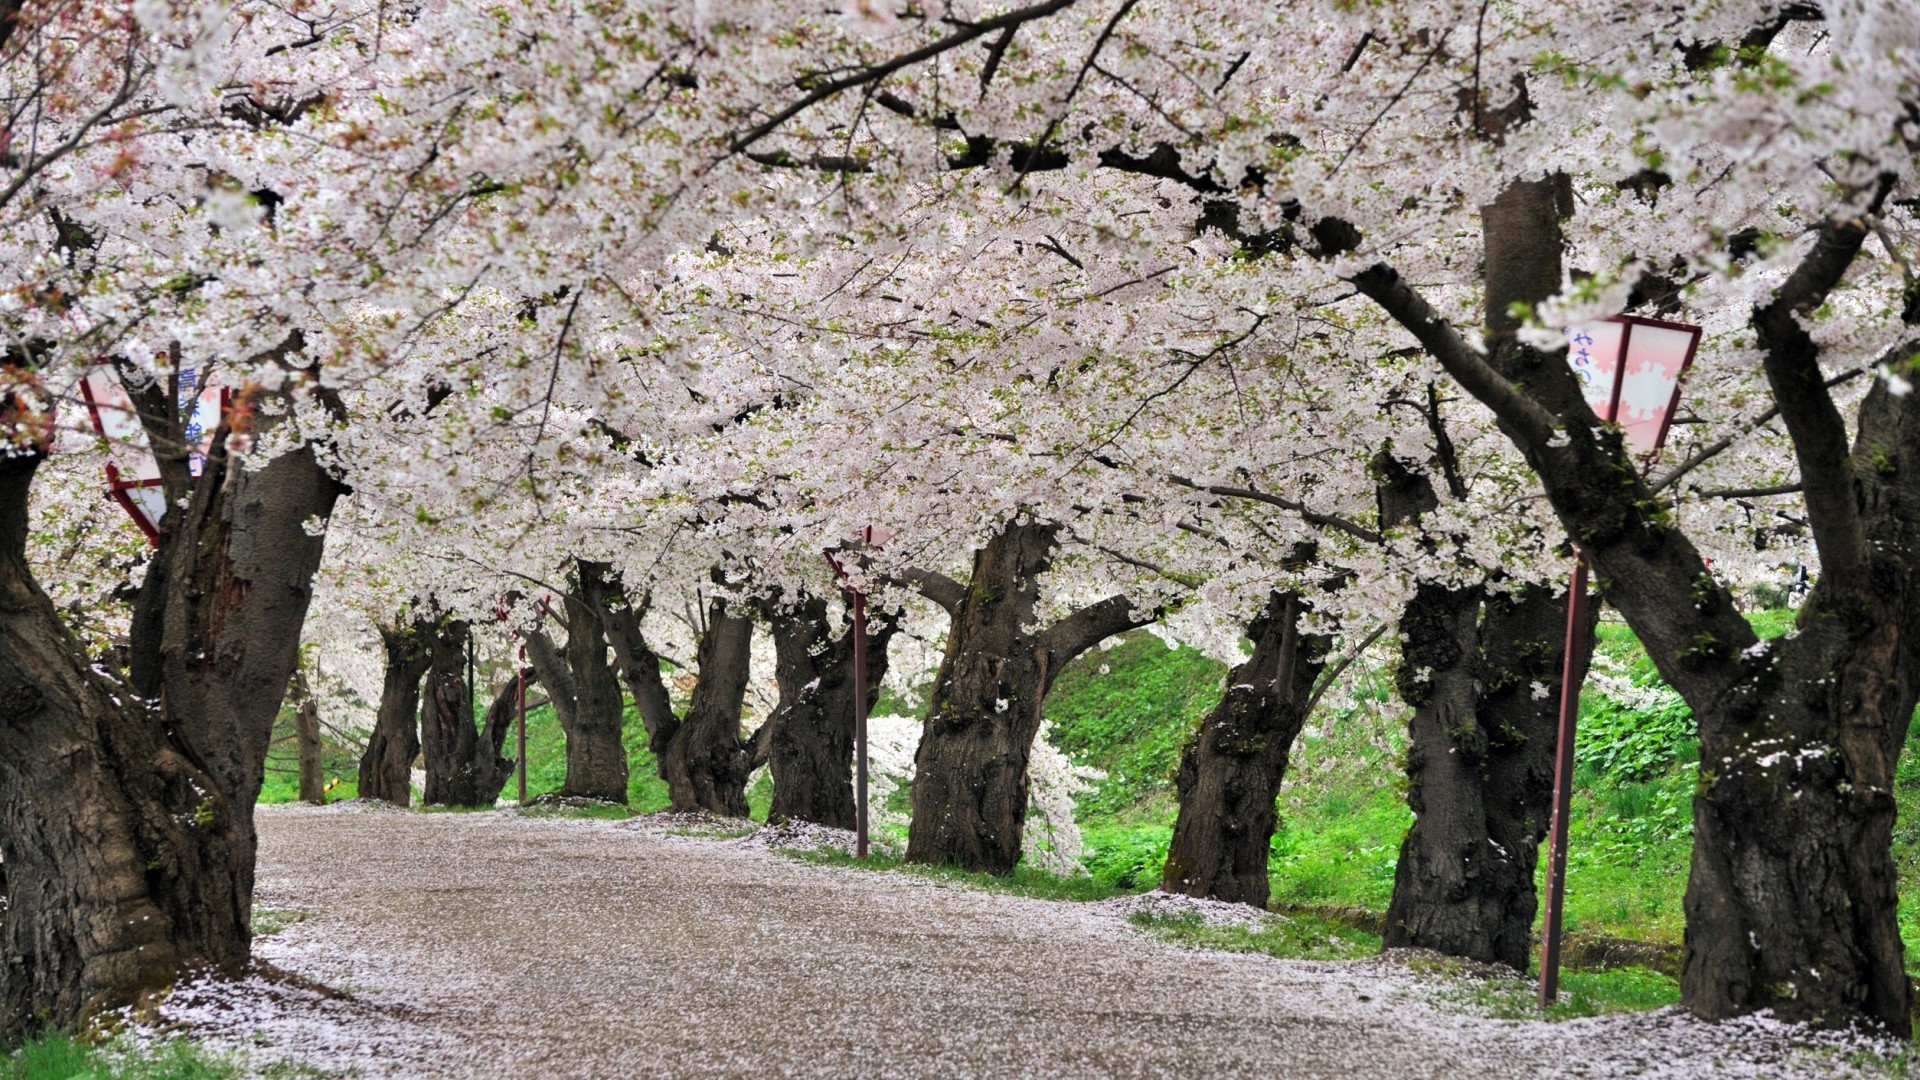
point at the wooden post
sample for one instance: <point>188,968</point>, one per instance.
<point>860,723</point>
<point>1572,674</point>
<point>520,705</point>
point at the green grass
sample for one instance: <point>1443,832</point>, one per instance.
<point>268,921</point>
<point>1024,881</point>
<point>1581,993</point>
<point>1129,710</point>
<point>1300,937</point>
<point>60,1057</point>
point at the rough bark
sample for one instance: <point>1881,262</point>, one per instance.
<point>1790,900</point>
<point>970,773</point>
<point>126,824</point>
<point>1230,774</point>
<point>809,737</point>
<point>386,766</point>
<point>706,762</point>
<point>586,698</point>
<point>1480,768</point>
<point>306,737</point>
<point>464,766</point>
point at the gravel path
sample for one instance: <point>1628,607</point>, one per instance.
<point>491,945</point>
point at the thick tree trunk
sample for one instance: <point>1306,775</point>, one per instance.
<point>306,738</point>
<point>701,756</point>
<point>386,766</point>
<point>705,762</point>
<point>810,734</point>
<point>970,774</point>
<point>1480,768</point>
<point>464,768</point>
<point>1790,903</point>
<point>1230,774</point>
<point>586,698</point>
<point>126,824</point>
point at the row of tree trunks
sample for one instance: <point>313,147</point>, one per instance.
<point>809,737</point>
<point>464,765</point>
<point>126,809</point>
<point>970,773</point>
<point>585,693</point>
<point>1230,774</point>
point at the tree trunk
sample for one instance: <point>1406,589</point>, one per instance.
<point>126,823</point>
<point>1480,768</point>
<point>706,762</point>
<point>810,734</point>
<point>387,764</point>
<point>463,769</point>
<point>1230,774</point>
<point>306,737</point>
<point>586,698</point>
<point>1791,901</point>
<point>970,774</point>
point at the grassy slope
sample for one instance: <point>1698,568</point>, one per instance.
<point>1342,811</point>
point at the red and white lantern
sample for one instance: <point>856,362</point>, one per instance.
<point>133,471</point>
<point>1630,368</point>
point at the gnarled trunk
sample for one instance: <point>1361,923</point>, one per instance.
<point>586,698</point>
<point>1790,903</point>
<point>1480,768</point>
<point>970,773</point>
<point>705,762</point>
<point>126,810</point>
<point>810,734</point>
<point>386,766</point>
<point>1230,774</point>
<point>464,766</point>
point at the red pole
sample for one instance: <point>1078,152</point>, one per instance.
<point>860,722</point>
<point>1572,674</point>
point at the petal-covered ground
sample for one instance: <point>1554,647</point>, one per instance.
<point>495,945</point>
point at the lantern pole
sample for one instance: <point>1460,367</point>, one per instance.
<point>1573,670</point>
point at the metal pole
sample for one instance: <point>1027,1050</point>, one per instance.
<point>860,722</point>
<point>520,693</point>
<point>1572,674</point>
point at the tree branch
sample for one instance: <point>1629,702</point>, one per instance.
<point>1089,626</point>
<point>1527,418</point>
<point>1312,517</point>
<point>936,587</point>
<point>823,91</point>
<point>1818,431</point>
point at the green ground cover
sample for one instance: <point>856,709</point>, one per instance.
<point>60,1057</point>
